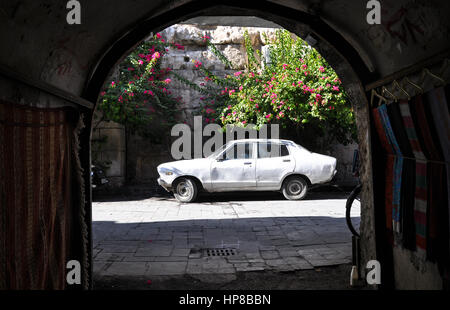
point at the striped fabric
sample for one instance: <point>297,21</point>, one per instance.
<point>438,105</point>
<point>36,206</point>
<point>398,165</point>
<point>389,169</point>
<point>436,179</point>
<point>420,194</point>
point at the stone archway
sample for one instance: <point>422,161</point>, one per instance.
<point>351,68</point>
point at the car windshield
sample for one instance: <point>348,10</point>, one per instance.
<point>218,151</point>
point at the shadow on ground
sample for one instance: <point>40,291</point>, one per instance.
<point>325,278</point>
<point>150,190</point>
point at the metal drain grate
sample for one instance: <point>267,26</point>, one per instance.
<point>220,252</point>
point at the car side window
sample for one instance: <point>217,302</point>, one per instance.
<point>271,150</point>
<point>239,151</point>
<point>284,150</point>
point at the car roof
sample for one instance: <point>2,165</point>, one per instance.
<point>283,141</point>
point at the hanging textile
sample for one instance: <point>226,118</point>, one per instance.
<point>436,178</point>
<point>398,165</point>
<point>420,191</point>
<point>38,183</point>
<point>393,174</point>
<point>406,212</point>
<point>389,170</point>
<point>439,120</point>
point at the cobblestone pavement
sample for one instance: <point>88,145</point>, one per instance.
<point>160,237</point>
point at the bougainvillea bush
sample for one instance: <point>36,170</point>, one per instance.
<point>297,89</point>
<point>138,92</point>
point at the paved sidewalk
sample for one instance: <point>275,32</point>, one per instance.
<point>161,237</point>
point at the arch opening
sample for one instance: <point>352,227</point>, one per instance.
<point>351,75</point>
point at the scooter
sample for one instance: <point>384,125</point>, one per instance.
<point>98,177</point>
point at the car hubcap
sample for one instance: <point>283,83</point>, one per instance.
<point>183,189</point>
<point>295,187</point>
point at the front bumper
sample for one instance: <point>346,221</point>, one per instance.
<point>165,185</point>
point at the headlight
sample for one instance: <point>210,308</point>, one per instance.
<point>168,173</point>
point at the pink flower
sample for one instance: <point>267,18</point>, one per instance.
<point>156,55</point>
<point>167,81</point>
<point>237,73</point>
<point>240,87</point>
<point>335,88</point>
<point>180,47</point>
<point>268,115</point>
<point>102,93</point>
<point>285,66</point>
<point>229,107</point>
<point>113,83</point>
<point>140,62</point>
<point>321,69</point>
<point>158,35</point>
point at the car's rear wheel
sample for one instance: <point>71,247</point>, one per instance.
<point>185,190</point>
<point>295,188</point>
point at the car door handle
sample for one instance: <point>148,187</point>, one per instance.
<point>247,163</point>
<point>286,160</point>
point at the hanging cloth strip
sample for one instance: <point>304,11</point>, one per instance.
<point>436,176</point>
<point>389,170</point>
<point>420,192</point>
<point>438,106</point>
<point>398,166</point>
<point>406,212</point>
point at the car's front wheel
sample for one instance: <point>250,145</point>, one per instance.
<point>295,188</point>
<point>185,190</point>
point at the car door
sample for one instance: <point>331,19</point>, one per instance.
<point>234,169</point>
<point>273,163</point>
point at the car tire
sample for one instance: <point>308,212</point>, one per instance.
<point>295,188</point>
<point>185,190</point>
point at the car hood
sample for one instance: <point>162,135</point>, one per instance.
<point>191,166</point>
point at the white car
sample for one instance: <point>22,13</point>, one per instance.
<point>249,165</point>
